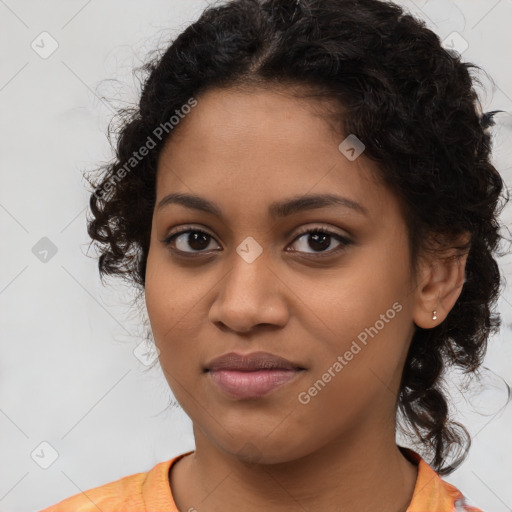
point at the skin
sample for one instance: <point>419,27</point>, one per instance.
<point>244,150</point>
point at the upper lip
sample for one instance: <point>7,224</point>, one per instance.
<point>253,361</point>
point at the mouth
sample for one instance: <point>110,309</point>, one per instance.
<point>251,376</point>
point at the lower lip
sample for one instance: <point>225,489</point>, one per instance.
<point>251,384</point>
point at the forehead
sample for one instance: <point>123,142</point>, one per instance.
<point>247,147</point>
<point>234,123</point>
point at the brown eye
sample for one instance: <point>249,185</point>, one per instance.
<point>320,240</point>
<point>194,239</point>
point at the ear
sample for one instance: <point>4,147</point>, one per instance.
<point>439,285</point>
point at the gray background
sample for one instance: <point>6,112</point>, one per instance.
<point>68,372</point>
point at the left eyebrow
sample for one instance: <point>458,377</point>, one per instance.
<point>279,209</point>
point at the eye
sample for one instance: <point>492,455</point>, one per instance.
<point>319,241</point>
<point>197,239</point>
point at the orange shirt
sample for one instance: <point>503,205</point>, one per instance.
<point>150,491</point>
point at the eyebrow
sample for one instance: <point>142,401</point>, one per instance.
<point>279,209</point>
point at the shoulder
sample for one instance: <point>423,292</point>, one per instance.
<point>432,493</point>
<point>143,491</point>
<point>125,492</point>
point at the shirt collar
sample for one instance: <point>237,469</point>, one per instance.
<point>431,493</point>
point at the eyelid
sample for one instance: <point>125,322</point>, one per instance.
<point>329,230</point>
<point>188,227</point>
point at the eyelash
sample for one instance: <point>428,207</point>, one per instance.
<point>316,230</point>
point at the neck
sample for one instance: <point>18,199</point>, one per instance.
<point>352,473</point>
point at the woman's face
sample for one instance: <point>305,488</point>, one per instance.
<point>253,279</point>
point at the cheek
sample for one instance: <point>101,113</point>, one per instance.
<point>355,302</point>
<point>366,322</point>
<point>167,293</point>
<point>165,299</point>
<point>176,306</point>
<point>172,315</point>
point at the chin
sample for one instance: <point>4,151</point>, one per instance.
<point>276,451</point>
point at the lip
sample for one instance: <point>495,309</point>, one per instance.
<point>251,376</point>
<point>251,362</point>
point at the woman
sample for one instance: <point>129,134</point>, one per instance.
<point>305,199</point>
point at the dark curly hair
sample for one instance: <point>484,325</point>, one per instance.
<point>411,102</point>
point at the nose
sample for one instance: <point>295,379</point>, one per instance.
<point>250,295</point>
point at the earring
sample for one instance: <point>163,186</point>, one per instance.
<point>434,317</point>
